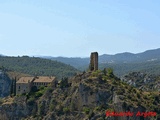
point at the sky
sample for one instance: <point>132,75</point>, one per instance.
<point>75,28</point>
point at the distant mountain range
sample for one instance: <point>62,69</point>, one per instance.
<point>126,57</point>
<point>121,63</point>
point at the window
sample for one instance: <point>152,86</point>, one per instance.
<point>19,87</point>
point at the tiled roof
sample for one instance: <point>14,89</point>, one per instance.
<point>25,79</point>
<point>44,79</point>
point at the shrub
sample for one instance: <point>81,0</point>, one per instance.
<point>129,96</point>
<point>30,101</point>
<point>72,106</point>
<point>51,107</point>
<point>98,108</point>
<point>138,95</point>
<point>91,114</point>
<point>120,92</point>
<point>110,72</point>
<point>40,109</point>
<point>96,73</point>
<point>49,90</point>
<point>38,94</point>
<point>86,110</point>
<point>66,110</point>
<point>41,88</point>
<point>1,101</point>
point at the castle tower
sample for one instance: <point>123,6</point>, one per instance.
<point>93,61</point>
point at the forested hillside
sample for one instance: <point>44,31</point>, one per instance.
<point>122,63</point>
<point>37,66</point>
<point>120,69</point>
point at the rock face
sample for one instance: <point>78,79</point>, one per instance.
<point>88,97</point>
<point>142,81</point>
<point>15,109</point>
<point>5,83</point>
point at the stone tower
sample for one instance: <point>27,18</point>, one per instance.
<point>93,61</point>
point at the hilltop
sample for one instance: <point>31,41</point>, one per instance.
<point>84,96</point>
<point>37,66</point>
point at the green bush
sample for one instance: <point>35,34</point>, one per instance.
<point>86,110</point>
<point>38,94</point>
<point>49,89</point>
<point>41,88</point>
<point>96,73</point>
<point>138,95</point>
<point>66,110</point>
<point>120,92</point>
<point>91,114</point>
<point>40,109</point>
<point>1,101</point>
<point>98,108</point>
<point>110,72</point>
<point>72,106</point>
<point>31,101</point>
<point>51,107</point>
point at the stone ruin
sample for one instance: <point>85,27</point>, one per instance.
<point>93,61</point>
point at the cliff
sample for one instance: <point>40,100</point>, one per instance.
<point>5,83</point>
<point>85,96</point>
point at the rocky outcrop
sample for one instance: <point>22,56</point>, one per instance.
<point>142,81</point>
<point>5,83</point>
<point>88,97</point>
<point>14,109</point>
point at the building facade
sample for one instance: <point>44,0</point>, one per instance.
<point>25,84</point>
<point>43,81</point>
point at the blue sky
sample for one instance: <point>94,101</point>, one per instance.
<point>74,28</point>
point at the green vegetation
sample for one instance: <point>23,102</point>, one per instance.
<point>51,107</point>
<point>37,66</point>
<point>110,72</point>
<point>1,101</point>
<point>96,73</point>
<point>31,101</point>
<point>125,68</point>
<point>123,63</point>
<point>142,81</point>
<point>35,94</point>
<point>86,110</point>
<point>90,95</point>
<point>63,83</point>
<point>66,110</point>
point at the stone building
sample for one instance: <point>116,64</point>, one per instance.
<point>24,84</point>
<point>94,61</point>
<point>44,81</point>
